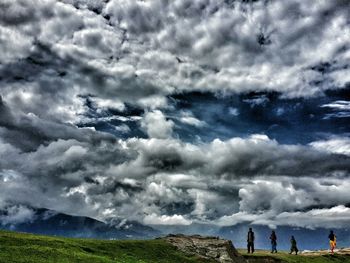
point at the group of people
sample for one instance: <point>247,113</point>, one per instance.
<point>293,242</point>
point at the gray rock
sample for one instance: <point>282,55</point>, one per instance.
<point>212,248</point>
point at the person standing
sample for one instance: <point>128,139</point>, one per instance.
<point>273,239</point>
<point>293,246</point>
<point>250,240</point>
<point>332,241</point>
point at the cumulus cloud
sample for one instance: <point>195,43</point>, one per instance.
<point>136,51</point>
<point>290,194</point>
<point>336,217</point>
<point>340,145</point>
<point>16,214</point>
<point>303,202</point>
<point>153,219</point>
<point>156,125</point>
<point>237,157</point>
<point>115,66</point>
<point>170,179</point>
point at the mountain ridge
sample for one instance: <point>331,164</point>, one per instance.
<point>50,222</point>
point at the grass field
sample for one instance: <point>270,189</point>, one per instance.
<point>283,256</point>
<point>28,248</point>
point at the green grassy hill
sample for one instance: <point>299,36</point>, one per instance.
<point>20,247</point>
<point>26,248</point>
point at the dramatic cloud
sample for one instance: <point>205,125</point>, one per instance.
<point>16,214</point>
<point>176,112</point>
<point>256,155</point>
<point>334,145</point>
<point>166,181</point>
<point>305,202</point>
<point>166,220</point>
<point>315,218</point>
<point>156,125</point>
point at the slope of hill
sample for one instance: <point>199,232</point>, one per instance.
<point>49,222</point>
<point>28,248</point>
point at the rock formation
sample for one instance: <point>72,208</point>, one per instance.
<point>212,248</point>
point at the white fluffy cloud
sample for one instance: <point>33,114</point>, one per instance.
<point>237,157</point>
<point>166,181</point>
<point>59,56</point>
<point>137,51</point>
<point>336,217</point>
<point>16,214</point>
<point>156,125</point>
<point>154,219</point>
<point>300,202</point>
<point>340,145</point>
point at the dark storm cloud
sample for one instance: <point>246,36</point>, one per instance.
<point>238,157</point>
<point>305,202</point>
<point>173,112</point>
<point>136,56</point>
<point>110,186</point>
<point>34,131</point>
<point>21,13</point>
<point>14,214</point>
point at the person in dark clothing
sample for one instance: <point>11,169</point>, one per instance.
<point>293,246</point>
<point>273,239</point>
<point>332,241</point>
<point>250,240</point>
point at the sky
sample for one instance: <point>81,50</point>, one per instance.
<point>176,112</point>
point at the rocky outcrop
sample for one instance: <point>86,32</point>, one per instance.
<point>212,248</point>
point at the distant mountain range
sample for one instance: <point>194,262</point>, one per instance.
<point>49,222</point>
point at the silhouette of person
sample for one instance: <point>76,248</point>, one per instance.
<point>293,246</point>
<point>332,241</point>
<point>273,239</point>
<point>250,240</point>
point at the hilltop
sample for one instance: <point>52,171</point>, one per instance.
<point>53,223</point>
<point>29,248</point>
